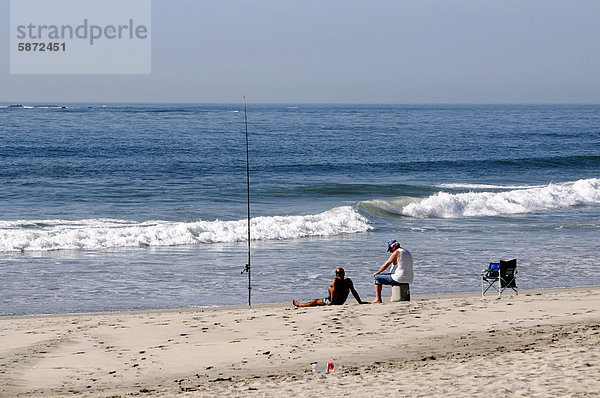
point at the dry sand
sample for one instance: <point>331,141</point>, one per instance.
<point>539,343</point>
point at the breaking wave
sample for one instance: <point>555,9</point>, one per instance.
<point>508,202</point>
<point>19,236</point>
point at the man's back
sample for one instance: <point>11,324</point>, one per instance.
<point>402,271</point>
<point>341,289</point>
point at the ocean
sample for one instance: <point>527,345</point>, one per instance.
<point>143,206</point>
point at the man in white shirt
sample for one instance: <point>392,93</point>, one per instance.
<point>401,270</point>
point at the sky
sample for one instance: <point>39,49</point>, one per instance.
<point>346,51</point>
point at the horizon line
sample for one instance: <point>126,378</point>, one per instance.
<point>29,102</point>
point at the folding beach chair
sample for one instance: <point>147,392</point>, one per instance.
<point>504,273</point>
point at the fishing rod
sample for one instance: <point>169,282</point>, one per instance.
<point>247,269</point>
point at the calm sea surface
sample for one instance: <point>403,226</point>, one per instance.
<point>129,206</point>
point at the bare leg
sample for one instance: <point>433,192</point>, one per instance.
<point>378,289</point>
<point>313,303</point>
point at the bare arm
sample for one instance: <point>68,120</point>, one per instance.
<point>354,292</point>
<point>390,261</point>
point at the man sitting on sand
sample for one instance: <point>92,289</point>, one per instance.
<point>401,271</point>
<point>338,292</point>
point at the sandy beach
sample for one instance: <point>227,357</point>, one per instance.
<point>539,343</point>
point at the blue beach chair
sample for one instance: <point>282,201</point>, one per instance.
<point>504,273</point>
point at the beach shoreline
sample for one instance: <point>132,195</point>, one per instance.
<point>547,340</point>
<point>414,297</point>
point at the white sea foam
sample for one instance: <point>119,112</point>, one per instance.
<point>16,236</point>
<point>35,107</point>
<point>519,201</point>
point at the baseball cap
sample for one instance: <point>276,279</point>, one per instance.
<point>390,243</point>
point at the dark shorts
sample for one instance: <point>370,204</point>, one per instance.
<point>383,279</point>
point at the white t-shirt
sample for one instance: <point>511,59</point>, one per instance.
<point>402,272</point>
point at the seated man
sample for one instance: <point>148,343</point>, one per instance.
<point>338,292</point>
<point>401,270</point>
